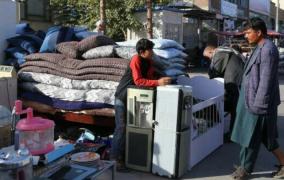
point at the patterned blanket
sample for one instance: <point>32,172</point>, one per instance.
<point>61,104</point>
<point>75,72</point>
<point>43,108</point>
<point>66,62</point>
<point>66,82</point>
<point>106,77</point>
<point>94,95</point>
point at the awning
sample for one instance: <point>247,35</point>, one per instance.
<point>229,33</point>
<point>199,14</point>
<point>274,33</point>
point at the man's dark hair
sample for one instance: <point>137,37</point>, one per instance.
<point>143,45</point>
<point>256,24</point>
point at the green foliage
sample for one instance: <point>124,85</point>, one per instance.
<point>119,14</point>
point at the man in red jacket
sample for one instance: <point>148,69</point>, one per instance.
<point>140,72</point>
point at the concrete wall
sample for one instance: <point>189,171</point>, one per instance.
<point>166,24</point>
<point>8,20</point>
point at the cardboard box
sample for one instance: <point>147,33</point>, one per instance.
<point>8,86</point>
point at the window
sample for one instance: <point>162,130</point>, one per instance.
<point>232,1</point>
<point>243,3</point>
<point>35,10</point>
<point>173,31</point>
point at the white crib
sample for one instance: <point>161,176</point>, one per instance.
<point>207,124</point>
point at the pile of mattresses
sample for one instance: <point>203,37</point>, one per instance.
<point>77,79</point>
<point>78,82</point>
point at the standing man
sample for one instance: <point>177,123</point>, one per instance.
<point>100,27</point>
<point>256,120</point>
<point>227,63</point>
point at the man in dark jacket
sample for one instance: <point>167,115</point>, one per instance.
<point>227,63</point>
<point>256,119</point>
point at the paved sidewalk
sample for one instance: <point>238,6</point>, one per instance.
<point>219,165</point>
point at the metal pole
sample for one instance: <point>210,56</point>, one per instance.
<point>277,17</point>
<point>277,21</point>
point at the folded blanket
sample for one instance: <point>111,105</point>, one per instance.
<point>106,77</point>
<point>75,72</point>
<point>94,95</point>
<point>61,104</point>
<point>43,108</point>
<point>66,82</point>
<point>63,61</point>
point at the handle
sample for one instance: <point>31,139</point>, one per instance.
<point>19,110</point>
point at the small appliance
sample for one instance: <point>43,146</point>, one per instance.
<point>36,133</point>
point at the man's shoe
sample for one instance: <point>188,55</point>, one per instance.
<point>240,174</point>
<point>279,174</point>
<point>120,166</point>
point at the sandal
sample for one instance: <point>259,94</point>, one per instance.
<point>240,173</point>
<point>279,174</point>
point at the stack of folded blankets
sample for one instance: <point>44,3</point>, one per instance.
<point>169,58</point>
<point>79,80</point>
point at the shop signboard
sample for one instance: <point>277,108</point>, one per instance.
<point>260,6</point>
<point>187,3</point>
<point>229,9</point>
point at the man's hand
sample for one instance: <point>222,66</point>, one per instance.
<point>164,81</point>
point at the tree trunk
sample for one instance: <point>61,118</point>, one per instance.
<point>103,12</point>
<point>149,19</point>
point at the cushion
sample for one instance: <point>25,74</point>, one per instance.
<point>82,33</point>
<point>69,49</point>
<point>160,62</point>
<point>174,72</point>
<point>166,43</point>
<point>177,60</point>
<point>177,66</point>
<point>129,43</point>
<point>17,53</point>
<point>99,52</point>
<point>94,41</point>
<point>169,53</point>
<point>24,28</point>
<point>159,44</point>
<point>25,42</point>
<point>55,35</point>
<point>125,52</point>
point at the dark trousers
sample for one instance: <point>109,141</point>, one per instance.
<point>248,155</point>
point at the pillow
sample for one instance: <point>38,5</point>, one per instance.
<point>125,52</point>
<point>70,49</point>
<point>94,41</point>
<point>84,34</point>
<point>177,66</point>
<point>129,43</point>
<point>16,52</point>
<point>166,43</point>
<point>160,62</point>
<point>25,42</point>
<point>174,72</point>
<point>168,53</point>
<point>159,44</point>
<point>55,35</point>
<point>99,52</point>
<point>24,28</point>
<point>50,39</point>
<point>177,60</point>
